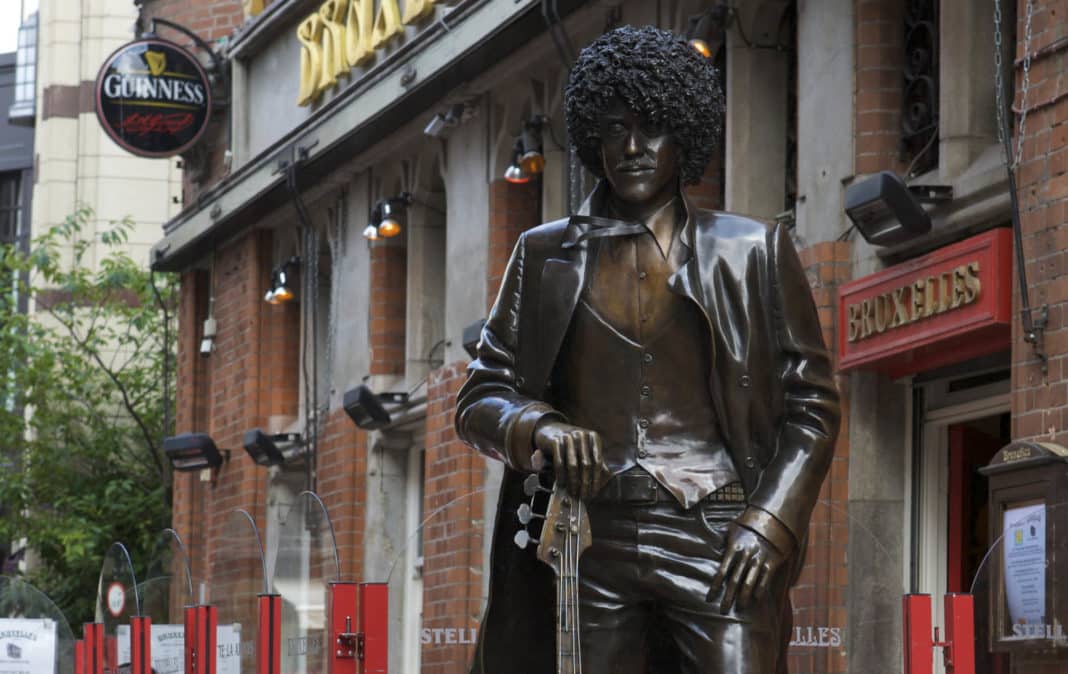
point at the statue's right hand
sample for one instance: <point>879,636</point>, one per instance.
<point>577,456</point>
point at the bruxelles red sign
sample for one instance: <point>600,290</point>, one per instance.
<point>945,307</point>
<point>153,98</point>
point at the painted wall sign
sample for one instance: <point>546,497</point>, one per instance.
<point>947,306</point>
<point>343,34</point>
<point>153,98</point>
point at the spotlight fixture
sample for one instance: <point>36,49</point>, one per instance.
<point>366,408</point>
<point>267,449</point>
<point>707,32</point>
<point>384,222</point>
<point>887,211</point>
<point>528,159</point>
<point>280,291</point>
<point>442,124</point>
<point>190,452</point>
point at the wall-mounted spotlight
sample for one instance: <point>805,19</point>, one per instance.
<point>887,211</point>
<point>281,290</point>
<point>367,409</point>
<point>270,449</point>
<point>528,158</point>
<point>442,124</point>
<point>384,222</point>
<point>707,31</point>
<point>190,452</point>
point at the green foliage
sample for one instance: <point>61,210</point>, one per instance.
<point>82,406</point>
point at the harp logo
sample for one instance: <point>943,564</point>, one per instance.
<point>14,652</point>
<point>157,62</point>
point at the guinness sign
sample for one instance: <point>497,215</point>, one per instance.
<point>153,98</point>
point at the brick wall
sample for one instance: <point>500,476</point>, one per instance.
<point>389,293</point>
<point>453,539</point>
<point>819,597</point>
<point>1040,401</point>
<point>211,20</point>
<point>879,83</point>
<point>513,209</point>
<point>342,465</point>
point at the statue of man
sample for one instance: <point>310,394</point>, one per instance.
<point>670,363</point>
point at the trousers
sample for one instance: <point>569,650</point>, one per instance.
<point>643,585</point>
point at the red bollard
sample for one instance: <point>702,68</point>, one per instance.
<point>342,610</point>
<point>93,648</point>
<point>374,628</point>
<point>79,657</point>
<point>140,645</point>
<point>201,623</point>
<point>269,645</point>
<point>959,651</point>
<point>919,648</point>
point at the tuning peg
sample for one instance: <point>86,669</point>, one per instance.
<point>522,539</point>
<point>538,461</point>
<point>532,485</point>
<point>525,513</point>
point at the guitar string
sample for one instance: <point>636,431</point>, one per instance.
<point>578,624</point>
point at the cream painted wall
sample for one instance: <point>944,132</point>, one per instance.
<point>76,163</point>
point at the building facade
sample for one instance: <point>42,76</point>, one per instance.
<point>337,108</point>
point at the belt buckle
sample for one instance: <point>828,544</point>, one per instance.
<point>641,490</point>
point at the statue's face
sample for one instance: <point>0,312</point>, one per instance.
<point>640,163</point>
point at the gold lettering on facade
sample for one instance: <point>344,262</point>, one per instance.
<point>344,34</point>
<point>387,23</point>
<point>359,22</point>
<point>915,301</point>
<point>309,32</point>
<point>334,62</point>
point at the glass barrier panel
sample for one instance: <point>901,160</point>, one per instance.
<point>35,637</point>
<point>1020,594</point>
<point>238,578</point>
<point>117,601</point>
<point>165,592</point>
<point>304,562</point>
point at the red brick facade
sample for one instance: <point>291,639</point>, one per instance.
<point>880,55</point>
<point>389,292</point>
<point>514,208</point>
<point>819,597</point>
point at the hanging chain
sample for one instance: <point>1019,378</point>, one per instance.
<point>1011,159</point>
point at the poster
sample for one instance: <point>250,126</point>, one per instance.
<point>27,646</point>
<point>168,648</point>
<point>1024,550</point>
<point>228,639</point>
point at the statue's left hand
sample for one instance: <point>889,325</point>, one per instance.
<point>749,564</point>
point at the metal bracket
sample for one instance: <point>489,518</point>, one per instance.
<point>932,194</point>
<point>1035,336</point>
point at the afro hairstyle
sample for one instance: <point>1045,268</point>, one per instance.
<point>659,76</point>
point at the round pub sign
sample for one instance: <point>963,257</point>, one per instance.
<point>153,98</point>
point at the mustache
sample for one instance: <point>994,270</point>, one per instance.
<point>636,166</point>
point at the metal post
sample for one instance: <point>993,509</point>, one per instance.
<point>342,610</point>
<point>959,651</point>
<point>374,628</point>
<point>201,624</point>
<point>93,649</point>
<point>269,646</point>
<point>79,657</point>
<point>140,645</point>
<point>919,647</point>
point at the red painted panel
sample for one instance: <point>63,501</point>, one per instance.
<point>960,634</point>
<point>140,645</point>
<point>344,621</point>
<point>374,624</point>
<point>919,647</point>
<point>269,648</point>
<point>893,335</point>
<point>79,657</point>
<point>93,638</point>
<point>201,624</point>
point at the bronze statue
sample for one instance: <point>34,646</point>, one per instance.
<point>670,363</point>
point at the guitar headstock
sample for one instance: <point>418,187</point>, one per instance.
<point>565,529</point>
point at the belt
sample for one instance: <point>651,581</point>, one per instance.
<point>638,489</point>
